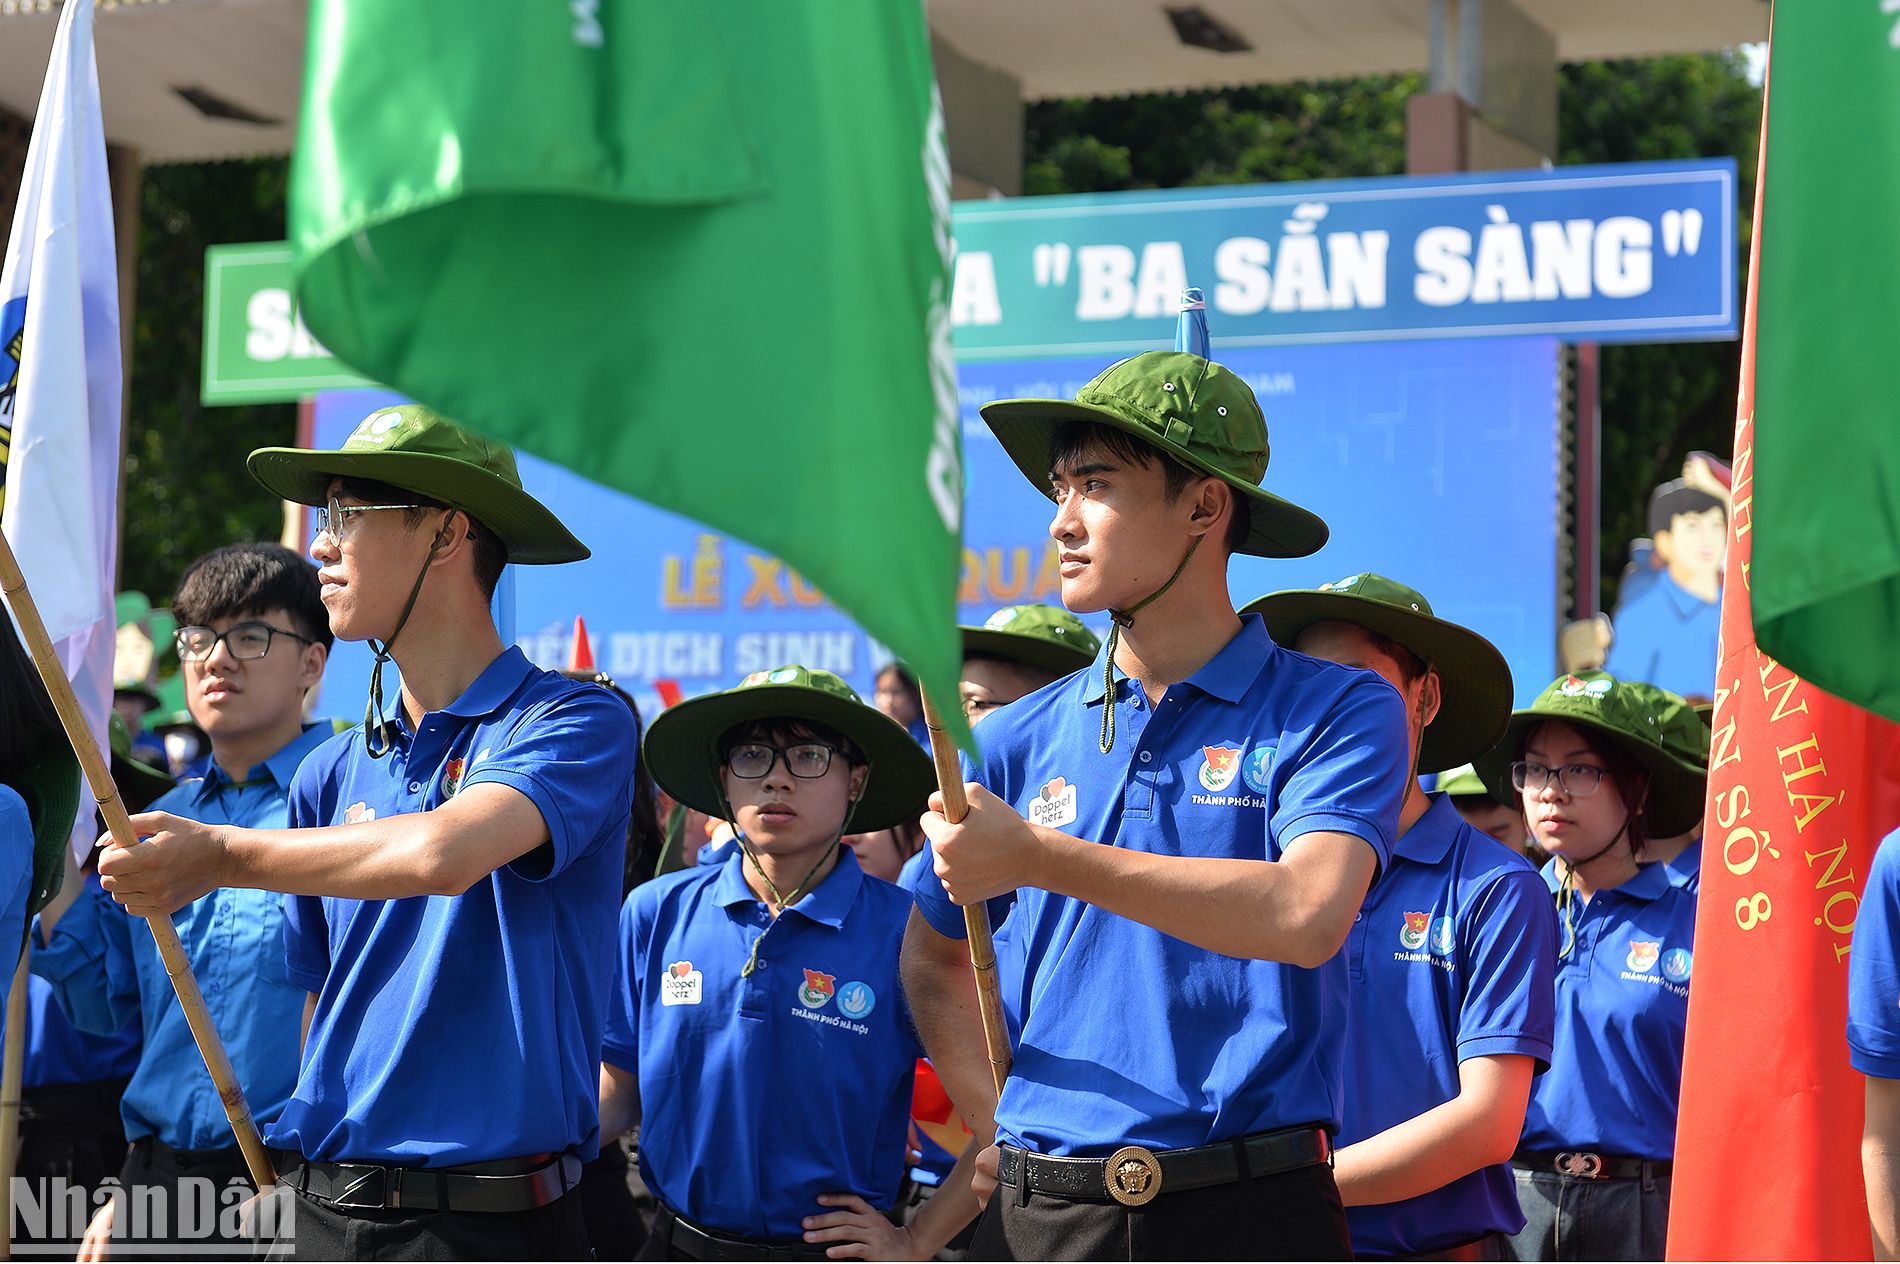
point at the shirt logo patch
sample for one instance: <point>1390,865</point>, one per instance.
<point>817,989</point>
<point>1676,965</point>
<point>1412,937</point>
<point>1222,766</point>
<point>1443,938</point>
<point>1054,805</point>
<point>1253,769</point>
<point>1642,958</point>
<point>358,813</point>
<point>452,777</point>
<point>856,999</point>
<point>681,984</point>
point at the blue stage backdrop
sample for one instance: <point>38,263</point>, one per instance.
<point>1433,462</point>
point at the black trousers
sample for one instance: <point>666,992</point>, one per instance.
<point>313,1230</point>
<point>615,1227</point>
<point>71,1139</point>
<point>1294,1215</point>
<point>181,1197</point>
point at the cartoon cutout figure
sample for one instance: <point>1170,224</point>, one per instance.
<point>1670,607</point>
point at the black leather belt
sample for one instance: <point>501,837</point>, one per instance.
<point>1134,1175</point>
<point>508,1185</point>
<point>1588,1165</point>
<point>684,1238</point>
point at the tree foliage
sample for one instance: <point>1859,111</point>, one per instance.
<point>1659,402</point>
<point>186,489</point>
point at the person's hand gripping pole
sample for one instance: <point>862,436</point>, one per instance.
<point>99,777</point>
<point>976,916</point>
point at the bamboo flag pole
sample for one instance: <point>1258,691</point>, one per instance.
<point>99,777</point>
<point>12,1071</point>
<point>976,917</point>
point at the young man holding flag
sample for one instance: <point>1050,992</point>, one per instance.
<point>1178,1078</point>
<point>1452,959</point>
<point>252,642</point>
<point>456,869</point>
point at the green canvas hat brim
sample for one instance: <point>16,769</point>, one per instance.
<point>1476,680</point>
<point>682,749</point>
<point>140,778</point>
<point>531,534</point>
<point>1019,648</point>
<point>50,786</point>
<point>1275,527</point>
<point>1676,791</point>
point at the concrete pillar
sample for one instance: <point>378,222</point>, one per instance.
<point>1493,98</point>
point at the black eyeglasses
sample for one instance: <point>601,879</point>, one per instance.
<point>246,641</point>
<point>807,761</point>
<point>1576,780</point>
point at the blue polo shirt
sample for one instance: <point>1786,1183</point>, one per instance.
<point>1873,969</point>
<point>59,1053</point>
<point>106,972</point>
<point>1687,868</point>
<point>16,880</point>
<point>1450,959</point>
<point>1622,1008</point>
<point>760,1093</point>
<point>1133,1037</point>
<point>463,1029</point>
<point>1666,635</point>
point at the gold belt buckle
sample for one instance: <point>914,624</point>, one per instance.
<point>1133,1175</point>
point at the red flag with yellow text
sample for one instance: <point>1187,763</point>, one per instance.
<point>1802,787</point>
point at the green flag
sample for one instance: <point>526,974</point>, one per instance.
<point>1825,509</point>
<point>699,253</point>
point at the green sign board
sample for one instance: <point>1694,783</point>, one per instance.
<point>256,348</point>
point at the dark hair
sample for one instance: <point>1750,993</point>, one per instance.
<point>490,553</point>
<point>249,579</point>
<point>1036,676</point>
<point>1411,666</point>
<point>787,730</point>
<point>1677,497</point>
<point>1073,438</point>
<point>29,725</point>
<point>1630,777</point>
<point>902,673</point>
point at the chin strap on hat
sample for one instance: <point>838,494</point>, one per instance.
<point>780,902</point>
<point>1119,619</point>
<point>375,740</point>
<point>1567,889</point>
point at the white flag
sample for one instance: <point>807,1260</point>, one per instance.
<point>59,346</point>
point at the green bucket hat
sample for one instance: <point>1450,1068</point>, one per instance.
<point>1683,732</point>
<point>50,786</point>
<point>1196,411</point>
<point>1601,704</point>
<point>1462,780</point>
<point>1476,679</point>
<point>1048,637</point>
<point>682,746</point>
<point>135,778</point>
<point>415,448</point>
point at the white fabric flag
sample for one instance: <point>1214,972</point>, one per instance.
<point>59,345</point>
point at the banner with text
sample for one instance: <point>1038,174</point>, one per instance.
<point>1434,463</point>
<point>1636,252</point>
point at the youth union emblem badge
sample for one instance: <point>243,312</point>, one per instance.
<point>1442,937</point>
<point>1642,958</point>
<point>1676,965</point>
<point>816,989</point>
<point>1222,766</point>
<point>1412,938</point>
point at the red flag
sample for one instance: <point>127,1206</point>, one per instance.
<point>580,655</point>
<point>1801,790</point>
